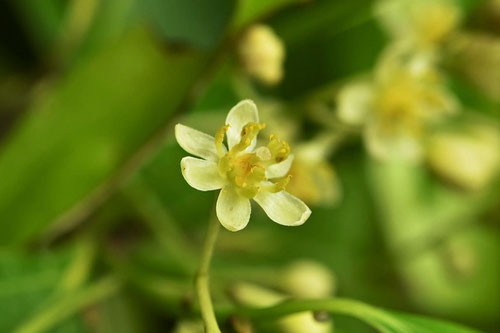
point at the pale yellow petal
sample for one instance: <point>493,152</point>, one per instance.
<point>233,210</point>
<point>201,174</point>
<point>283,208</point>
<point>196,142</point>
<point>279,169</point>
<point>241,114</point>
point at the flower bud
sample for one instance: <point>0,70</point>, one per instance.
<point>308,279</point>
<point>258,296</point>
<point>314,179</point>
<point>262,54</point>
<point>469,160</point>
<point>189,326</point>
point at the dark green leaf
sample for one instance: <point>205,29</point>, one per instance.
<point>88,124</point>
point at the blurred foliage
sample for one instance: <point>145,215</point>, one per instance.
<point>99,232</point>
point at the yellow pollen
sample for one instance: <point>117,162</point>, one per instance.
<point>247,170</point>
<point>219,139</point>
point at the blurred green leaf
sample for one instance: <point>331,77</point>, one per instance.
<point>448,261</point>
<point>87,125</point>
<point>110,22</point>
<point>26,282</point>
<point>458,278</point>
<point>122,307</point>
<point>251,10</point>
<point>42,20</point>
<point>337,39</point>
<point>60,308</point>
<point>198,22</point>
<point>384,321</point>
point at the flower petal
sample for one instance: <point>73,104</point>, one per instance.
<point>201,174</point>
<point>196,142</point>
<point>283,208</point>
<point>233,210</point>
<point>241,114</point>
<point>279,169</point>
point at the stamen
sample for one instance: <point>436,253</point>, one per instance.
<point>279,186</point>
<point>279,148</point>
<point>219,139</point>
<point>248,133</point>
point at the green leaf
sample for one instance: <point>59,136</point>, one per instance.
<point>84,129</point>
<point>449,263</point>
<point>63,307</point>
<point>199,23</point>
<point>251,10</point>
<point>384,321</point>
<point>337,39</point>
<point>42,21</point>
<point>26,282</point>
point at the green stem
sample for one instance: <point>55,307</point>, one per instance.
<point>70,304</point>
<point>202,279</point>
<point>377,318</point>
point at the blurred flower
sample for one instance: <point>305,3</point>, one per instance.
<point>301,279</point>
<point>243,172</point>
<point>422,23</point>
<point>262,54</point>
<point>469,158</point>
<point>314,179</point>
<point>406,95</point>
<point>272,112</point>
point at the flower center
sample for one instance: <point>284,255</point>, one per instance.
<point>247,170</point>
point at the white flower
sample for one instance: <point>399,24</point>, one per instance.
<point>241,172</point>
<point>422,22</point>
<point>406,95</point>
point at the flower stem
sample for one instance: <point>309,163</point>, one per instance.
<point>202,279</point>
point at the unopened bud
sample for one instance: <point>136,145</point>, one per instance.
<point>469,160</point>
<point>262,54</point>
<point>308,279</point>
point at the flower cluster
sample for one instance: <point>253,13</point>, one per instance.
<point>241,170</point>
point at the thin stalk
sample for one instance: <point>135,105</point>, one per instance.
<point>378,318</point>
<point>202,279</point>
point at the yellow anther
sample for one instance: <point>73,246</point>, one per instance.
<point>279,148</point>
<point>248,133</point>
<point>279,186</point>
